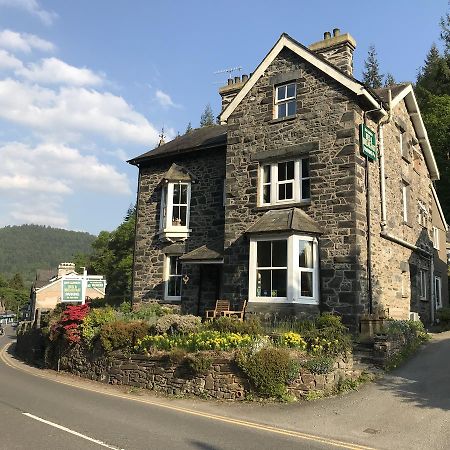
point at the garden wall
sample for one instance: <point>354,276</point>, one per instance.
<point>223,380</point>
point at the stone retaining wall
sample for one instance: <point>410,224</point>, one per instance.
<point>386,347</point>
<point>222,381</point>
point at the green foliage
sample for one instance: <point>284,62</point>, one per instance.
<point>390,80</point>
<point>14,299</point>
<point>207,117</point>
<point>412,331</point>
<point>371,74</point>
<point>269,370</point>
<point>319,364</point>
<point>120,335</point>
<point>251,326</point>
<point>188,128</point>
<point>291,340</point>
<point>192,342</point>
<point>199,363</point>
<point>26,248</point>
<point>443,316</point>
<point>148,312</point>
<point>92,323</point>
<point>177,324</point>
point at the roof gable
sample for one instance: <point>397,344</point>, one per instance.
<point>285,41</point>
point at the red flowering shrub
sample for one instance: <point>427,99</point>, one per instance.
<point>68,325</point>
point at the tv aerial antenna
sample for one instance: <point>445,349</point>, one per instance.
<point>229,71</point>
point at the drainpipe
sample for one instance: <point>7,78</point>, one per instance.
<point>433,297</point>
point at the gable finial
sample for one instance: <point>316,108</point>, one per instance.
<point>161,138</point>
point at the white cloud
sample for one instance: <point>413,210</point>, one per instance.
<point>33,8</point>
<point>58,169</point>
<point>42,210</point>
<point>24,42</point>
<point>165,100</point>
<point>55,71</point>
<point>73,110</point>
<point>8,61</point>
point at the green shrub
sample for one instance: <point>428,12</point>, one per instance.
<point>409,329</point>
<point>269,370</point>
<point>148,312</point>
<point>120,335</point>
<point>319,364</point>
<point>199,363</point>
<point>176,355</point>
<point>203,340</point>
<point>90,328</point>
<point>177,324</point>
<point>251,326</point>
<point>443,316</point>
<point>291,340</point>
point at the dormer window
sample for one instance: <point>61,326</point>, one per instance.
<point>285,100</point>
<point>175,204</point>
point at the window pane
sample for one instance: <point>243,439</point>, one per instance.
<point>306,189</point>
<point>184,194</point>
<point>282,110</point>
<point>288,191</point>
<point>291,90</point>
<point>279,282</point>
<point>282,171</point>
<point>266,174</point>
<point>290,170</point>
<point>281,192</point>
<point>279,253</point>
<point>174,286</point>
<point>281,92</point>
<point>263,283</point>
<point>305,168</point>
<point>176,193</point>
<point>306,284</point>
<point>183,213</point>
<point>263,253</point>
<point>291,108</point>
<point>266,194</point>
<point>173,270</point>
<point>305,254</point>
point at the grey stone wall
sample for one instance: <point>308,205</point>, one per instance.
<point>325,118</point>
<point>206,220</point>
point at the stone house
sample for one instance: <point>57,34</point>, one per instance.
<point>46,290</point>
<point>279,206</point>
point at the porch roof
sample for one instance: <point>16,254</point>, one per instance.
<point>291,219</point>
<point>208,253</point>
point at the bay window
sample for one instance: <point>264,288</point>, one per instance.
<point>175,201</point>
<point>285,182</point>
<point>284,269</point>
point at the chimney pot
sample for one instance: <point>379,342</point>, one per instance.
<point>237,79</point>
<point>244,78</point>
<point>336,32</point>
<point>327,35</point>
<point>230,81</point>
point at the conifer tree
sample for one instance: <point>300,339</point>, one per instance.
<point>390,80</point>
<point>207,117</point>
<point>371,74</point>
<point>188,128</point>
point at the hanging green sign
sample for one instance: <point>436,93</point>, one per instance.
<point>368,142</point>
<point>72,290</point>
<point>96,284</point>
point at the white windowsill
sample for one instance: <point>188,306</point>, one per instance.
<point>283,300</point>
<point>174,233</point>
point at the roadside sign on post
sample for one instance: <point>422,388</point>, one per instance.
<point>72,290</point>
<point>368,142</point>
<point>96,284</point>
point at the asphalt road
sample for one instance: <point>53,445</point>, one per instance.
<point>407,409</point>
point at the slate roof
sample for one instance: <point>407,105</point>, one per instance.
<point>197,139</point>
<point>292,219</point>
<point>208,252</point>
<point>43,276</point>
<point>383,93</point>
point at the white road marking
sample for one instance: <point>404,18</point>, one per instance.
<point>68,430</point>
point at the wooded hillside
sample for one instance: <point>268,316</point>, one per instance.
<point>25,248</point>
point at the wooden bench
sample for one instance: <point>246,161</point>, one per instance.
<point>221,307</point>
<point>238,313</point>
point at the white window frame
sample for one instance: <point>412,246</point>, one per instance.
<point>423,275</point>
<point>286,100</point>
<point>293,270</point>
<point>436,237</point>
<point>405,201</point>
<point>168,275</point>
<point>167,228</point>
<point>297,181</point>
<point>438,292</point>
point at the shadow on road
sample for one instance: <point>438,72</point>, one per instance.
<point>424,380</point>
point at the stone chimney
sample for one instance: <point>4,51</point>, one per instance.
<point>65,268</point>
<point>337,49</point>
<point>229,91</point>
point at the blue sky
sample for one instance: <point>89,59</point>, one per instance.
<point>86,85</point>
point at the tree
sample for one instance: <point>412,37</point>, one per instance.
<point>16,282</point>
<point>207,117</point>
<point>371,74</point>
<point>390,80</point>
<point>434,76</point>
<point>188,128</point>
<point>445,32</point>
